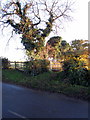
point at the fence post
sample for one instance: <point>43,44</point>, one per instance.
<point>51,65</point>
<point>15,65</point>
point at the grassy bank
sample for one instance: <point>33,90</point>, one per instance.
<point>47,81</point>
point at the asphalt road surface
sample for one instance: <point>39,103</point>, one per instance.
<point>20,102</point>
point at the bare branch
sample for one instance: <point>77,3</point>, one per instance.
<point>30,16</point>
<point>9,38</point>
<point>26,7</point>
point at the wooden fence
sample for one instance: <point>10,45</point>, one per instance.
<point>22,65</point>
<point>17,65</point>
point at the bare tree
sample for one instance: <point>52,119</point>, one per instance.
<point>34,20</point>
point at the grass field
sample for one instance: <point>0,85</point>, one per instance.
<point>47,81</point>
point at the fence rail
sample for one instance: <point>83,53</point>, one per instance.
<point>22,65</point>
<point>17,65</point>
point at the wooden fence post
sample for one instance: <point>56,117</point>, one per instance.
<point>15,65</point>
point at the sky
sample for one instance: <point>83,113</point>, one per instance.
<point>76,29</point>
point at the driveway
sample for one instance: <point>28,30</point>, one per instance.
<point>20,102</point>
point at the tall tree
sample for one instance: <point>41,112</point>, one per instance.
<point>80,50</point>
<point>34,20</point>
<point>53,45</point>
<point>80,47</point>
<point>64,50</point>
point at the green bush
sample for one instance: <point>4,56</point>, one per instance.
<point>45,81</point>
<point>75,71</point>
<point>37,66</point>
<point>79,77</point>
<point>5,63</point>
<point>72,64</point>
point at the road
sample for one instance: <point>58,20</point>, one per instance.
<point>21,102</point>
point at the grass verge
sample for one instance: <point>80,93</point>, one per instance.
<point>46,81</point>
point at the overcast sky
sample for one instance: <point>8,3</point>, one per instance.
<point>77,29</point>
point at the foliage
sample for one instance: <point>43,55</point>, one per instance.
<point>64,50</point>
<point>52,46</point>
<point>54,41</point>
<point>76,72</point>
<point>80,50</point>
<point>79,44</point>
<point>45,81</point>
<point>5,63</point>
<point>37,66</point>
<point>58,48</point>
<point>26,19</point>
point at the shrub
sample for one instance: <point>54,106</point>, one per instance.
<point>79,77</point>
<point>75,71</point>
<point>5,63</point>
<point>37,66</point>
